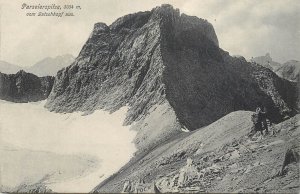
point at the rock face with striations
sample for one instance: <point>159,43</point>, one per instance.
<point>24,87</point>
<point>166,67</point>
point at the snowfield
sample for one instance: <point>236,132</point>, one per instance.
<point>66,152</point>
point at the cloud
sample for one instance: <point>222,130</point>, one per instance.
<point>248,27</point>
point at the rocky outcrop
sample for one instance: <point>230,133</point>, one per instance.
<point>24,87</point>
<point>224,158</point>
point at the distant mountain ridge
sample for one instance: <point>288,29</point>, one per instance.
<point>289,70</point>
<point>267,61</point>
<point>46,67</point>
<point>50,66</point>
<point>9,68</point>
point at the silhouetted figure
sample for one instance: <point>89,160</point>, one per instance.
<point>256,121</point>
<point>127,188</point>
<point>260,120</point>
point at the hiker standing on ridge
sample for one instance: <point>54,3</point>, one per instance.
<point>262,119</point>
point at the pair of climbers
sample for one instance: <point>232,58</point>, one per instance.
<point>259,119</point>
<point>131,187</point>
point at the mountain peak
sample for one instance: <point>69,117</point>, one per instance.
<point>8,68</point>
<point>182,23</point>
<point>51,65</point>
<point>163,64</point>
<point>21,72</point>
<point>100,27</point>
<point>267,61</point>
<point>165,10</point>
<point>130,21</point>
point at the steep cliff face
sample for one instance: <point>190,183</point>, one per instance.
<point>24,87</point>
<point>160,63</point>
<point>204,83</point>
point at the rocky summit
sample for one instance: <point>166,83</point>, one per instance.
<point>24,87</point>
<point>162,62</point>
<point>167,67</point>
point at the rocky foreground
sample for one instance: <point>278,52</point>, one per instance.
<point>218,158</point>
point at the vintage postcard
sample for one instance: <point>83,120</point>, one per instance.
<point>149,96</point>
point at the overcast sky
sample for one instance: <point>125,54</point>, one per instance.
<point>244,27</point>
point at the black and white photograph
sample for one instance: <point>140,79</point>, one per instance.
<point>149,96</point>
